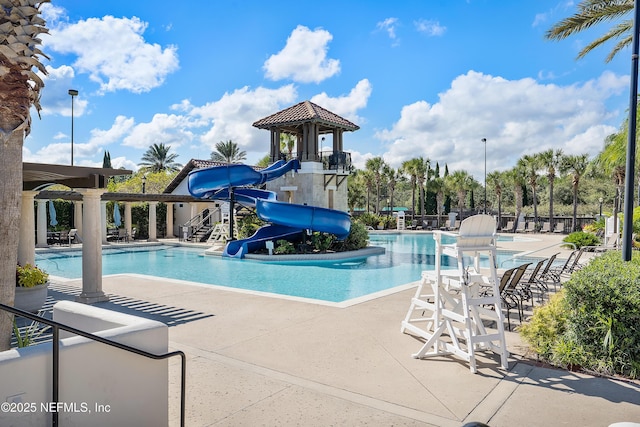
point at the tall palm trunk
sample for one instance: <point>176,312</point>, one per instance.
<point>10,203</point>
<point>551,225</point>
<point>575,207</point>
<point>439,202</point>
<point>20,25</point>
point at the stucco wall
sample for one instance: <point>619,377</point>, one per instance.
<point>99,385</point>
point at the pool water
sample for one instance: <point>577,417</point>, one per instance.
<point>406,256</point>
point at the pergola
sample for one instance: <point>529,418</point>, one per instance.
<point>88,191</point>
<point>307,122</point>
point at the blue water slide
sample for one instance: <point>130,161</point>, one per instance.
<point>202,183</point>
<point>287,219</point>
<point>305,217</point>
<point>274,232</point>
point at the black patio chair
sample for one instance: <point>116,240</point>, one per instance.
<point>511,293</point>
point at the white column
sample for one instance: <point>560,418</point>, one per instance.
<point>41,240</point>
<point>152,222</point>
<point>27,236</point>
<point>103,221</point>
<point>170,233</point>
<point>77,217</point>
<point>127,217</point>
<point>92,224</point>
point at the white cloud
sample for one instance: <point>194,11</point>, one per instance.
<point>516,117</point>
<point>168,129</point>
<point>55,95</point>
<point>389,25</point>
<point>347,106</point>
<point>232,117</point>
<point>304,57</point>
<point>60,152</point>
<point>114,53</point>
<point>429,27</point>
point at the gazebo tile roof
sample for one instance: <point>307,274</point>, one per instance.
<point>305,111</point>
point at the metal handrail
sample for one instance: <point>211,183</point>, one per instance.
<point>198,221</point>
<point>56,326</point>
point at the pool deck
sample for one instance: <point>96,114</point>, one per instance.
<point>263,360</point>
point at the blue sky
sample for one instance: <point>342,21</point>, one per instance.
<point>420,78</point>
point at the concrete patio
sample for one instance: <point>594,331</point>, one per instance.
<point>263,360</point>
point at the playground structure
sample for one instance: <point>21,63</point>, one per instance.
<point>286,220</point>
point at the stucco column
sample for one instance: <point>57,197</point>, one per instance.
<point>92,224</point>
<point>77,215</point>
<point>103,221</point>
<point>41,238</point>
<point>170,233</point>
<point>27,236</point>
<point>127,217</point>
<point>153,232</point>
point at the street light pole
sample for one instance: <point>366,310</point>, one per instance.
<point>144,183</point>
<point>73,94</point>
<point>485,174</point>
<point>600,200</point>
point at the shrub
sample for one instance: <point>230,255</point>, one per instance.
<point>284,247</point>
<point>358,238</point>
<point>369,219</point>
<point>593,323</point>
<point>248,225</point>
<point>580,239</point>
<point>322,241</point>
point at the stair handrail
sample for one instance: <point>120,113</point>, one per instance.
<point>57,326</point>
<point>196,223</point>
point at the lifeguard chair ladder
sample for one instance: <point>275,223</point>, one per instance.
<point>450,306</point>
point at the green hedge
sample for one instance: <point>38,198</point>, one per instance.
<point>595,322</point>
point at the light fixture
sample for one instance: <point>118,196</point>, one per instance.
<point>73,94</point>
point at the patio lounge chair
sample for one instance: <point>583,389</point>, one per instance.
<point>509,227</point>
<point>571,264</point>
<point>559,227</point>
<point>546,278</point>
<point>521,227</point>
<point>531,227</point>
<point>512,293</point>
<point>546,227</point>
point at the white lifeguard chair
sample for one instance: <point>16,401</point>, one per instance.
<point>450,306</point>
<point>220,232</point>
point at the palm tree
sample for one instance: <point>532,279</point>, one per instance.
<point>460,182</point>
<point>611,161</point>
<point>516,176</point>
<point>367,181</point>
<point>592,12</point>
<point>531,165</point>
<point>576,166</point>
<point>287,142</point>
<point>228,152</point>
<point>393,176</point>
<point>437,185</point>
<point>496,180</point>
<point>409,168</point>
<point>20,87</point>
<point>158,159</point>
<point>355,193</point>
<point>375,165</point>
<point>422,168</point>
<point>550,160</point>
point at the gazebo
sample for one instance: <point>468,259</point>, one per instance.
<point>321,180</point>
<point>307,122</point>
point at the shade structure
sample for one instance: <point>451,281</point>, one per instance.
<point>52,214</point>
<point>117,221</point>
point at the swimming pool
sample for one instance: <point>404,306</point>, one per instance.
<point>405,257</point>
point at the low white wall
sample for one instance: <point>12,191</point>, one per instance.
<point>99,385</point>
